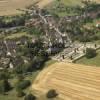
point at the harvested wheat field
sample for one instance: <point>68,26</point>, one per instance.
<point>43,3</point>
<point>9,7</point>
<point>98,1</point>
<point>72,81</point>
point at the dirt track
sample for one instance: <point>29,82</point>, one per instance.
<point>72,81</point>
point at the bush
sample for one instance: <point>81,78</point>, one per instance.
<point>20,93</point>
<point>4,75</point>
<point>90,52</point>
<point>30,97</point>
<point>20,77</point>
<point>51,94</point>
<point>84,39</point>
<point>23,84</point>
<point>4,86</point>
<point>2,90</point>
<point>7,85</point>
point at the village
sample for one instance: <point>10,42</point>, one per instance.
<point>55,40</point>
<point>30,40</point>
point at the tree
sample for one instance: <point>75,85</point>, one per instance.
<point>58,0</point>
<point>30,97</point>
<point>51,93</point>
<point>37,54</point>
<point>20,77</point>
<point>4,86</point>
<point>20,92</point>
<point>25,68</point>
<point>23,84</point>
<point>7,85</point>
<point>2,90</point>
<point>34,31</point>
<point>90,52</point>
<point>4,74</point>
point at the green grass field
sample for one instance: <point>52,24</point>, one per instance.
<point>54,7</point>
<point>18,35</point>
<point>92,62</point>
<point>71,2</point>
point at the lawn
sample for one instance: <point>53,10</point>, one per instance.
<point>17,35</point>
<point>93,61</point>
<point>71,2</point>
<point>74,2</point>
<point>62,14</point>
<point>54,7</point>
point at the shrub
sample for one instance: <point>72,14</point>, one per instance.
<point>7,85</point>
<point>90,52</point>
<point>4,86</point>
<point>85,39</point>
<point>23,84</point>
<point>20,93</point>
<point>2,90</point>
<point>51,94</point>
<point>4,74</point>
<point>30,97</point>
<point>20,77</point>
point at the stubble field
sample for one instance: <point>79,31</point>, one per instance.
<point>9,7</point>
<point>72,81</point>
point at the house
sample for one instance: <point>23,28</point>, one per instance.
<point>4,62</point>
<point>98,24</point>
<point>3,48</point>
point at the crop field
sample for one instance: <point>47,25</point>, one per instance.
<point>98,1</point>
<point>43,3</point>
<point>12,7</point>
<point>9,7</point>
<point>71,81</point>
